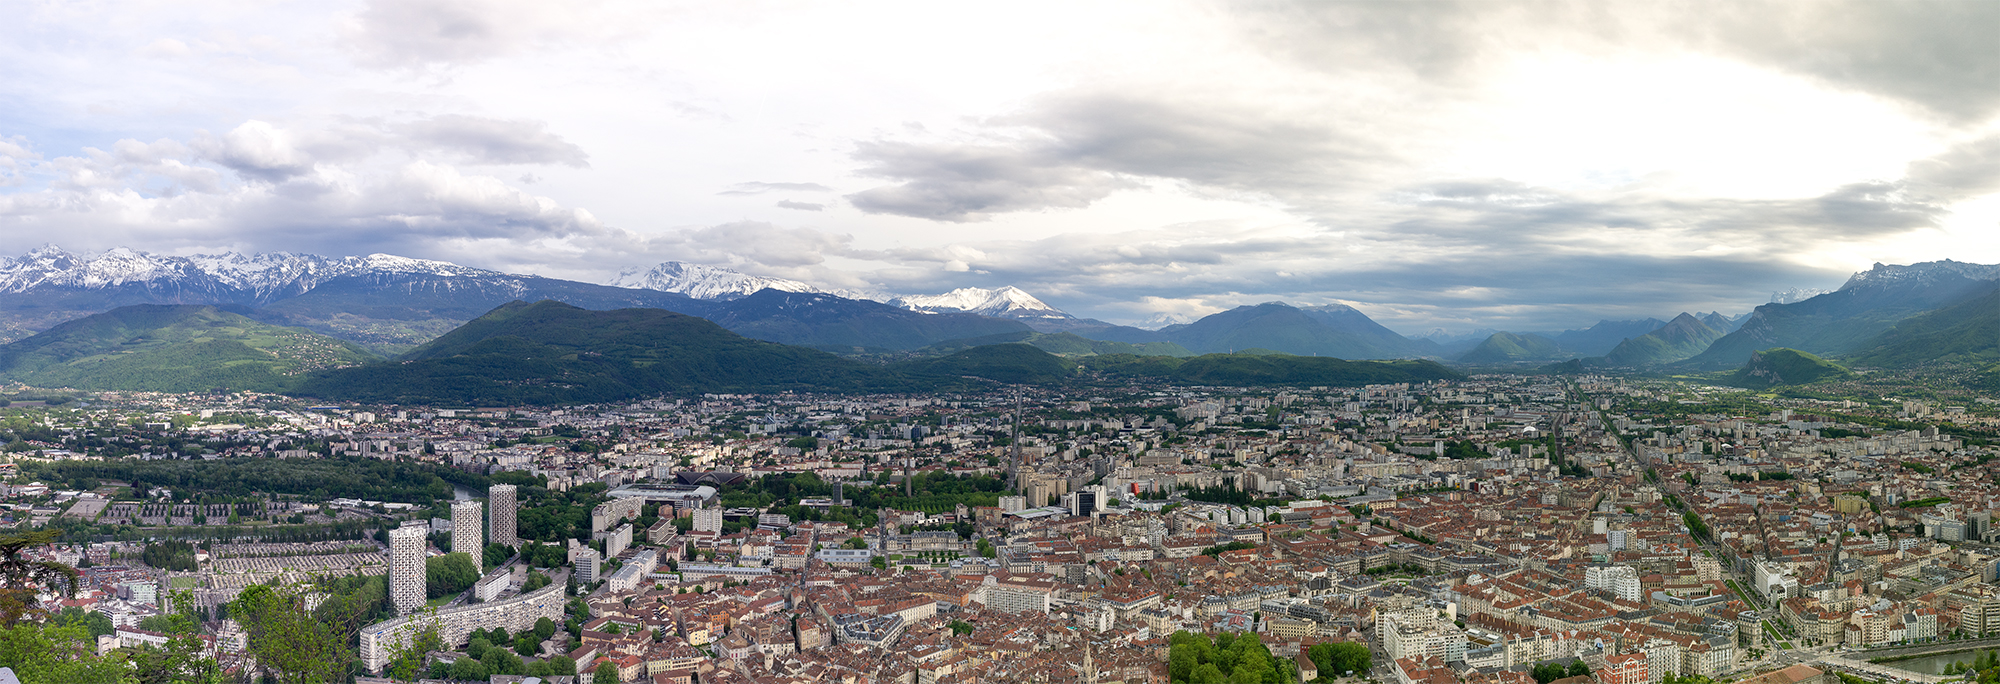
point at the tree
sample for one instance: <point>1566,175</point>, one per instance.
<point>500,661</point>
<point>605,673</point>
<point>1334,659</point>
<point>544,628</point>
<point>43,653</point>
<point>96,623</point>
<point>496,554</point>
<point>184,658</point>
<point>22,579</point>
<point>527,645</point>
<point>469,669</point>
<point>407,657</point>
<point>449,574</point>
<point>1577,669</point>
<point>297,646</point>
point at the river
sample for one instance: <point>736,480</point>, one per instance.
<point>1935,664</point>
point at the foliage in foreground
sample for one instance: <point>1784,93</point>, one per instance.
<point>1195,659</point>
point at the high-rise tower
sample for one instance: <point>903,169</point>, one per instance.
<point>406,568</point>
<point>1014,448</point>
<point>467,523</point>
<point>501,506</point>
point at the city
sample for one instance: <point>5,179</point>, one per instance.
<point>1037,342</point>
<point>1463,531</point>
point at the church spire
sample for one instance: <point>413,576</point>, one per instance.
<point>1089,668</point>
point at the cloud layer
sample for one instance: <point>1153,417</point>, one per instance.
<point>1523,165</point>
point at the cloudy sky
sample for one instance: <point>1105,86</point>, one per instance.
<point>1458,165</point>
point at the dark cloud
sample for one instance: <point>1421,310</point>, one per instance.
<point>1084,146</point>
<point>1937,56</point>
<point>954,182</point>
<point>480,140</point>
<point>758,188</point>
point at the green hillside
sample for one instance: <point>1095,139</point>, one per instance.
<point>1968,332</point>
<point>1506,347</point>
<point>1681,338</point>
<point>173,348</point>
<point>1774,367</point>
<point>1008,363</point>
<point>549,352</point>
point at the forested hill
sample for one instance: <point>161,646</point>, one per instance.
<point>549,352</point>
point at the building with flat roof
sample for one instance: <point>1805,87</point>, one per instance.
<point>501,508</point>
<point>455,625</point>
<point>468,521</point>
<point>406,567</point>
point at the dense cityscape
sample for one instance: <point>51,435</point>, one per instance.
<point>1027,342</point>
<point>1464,531</point>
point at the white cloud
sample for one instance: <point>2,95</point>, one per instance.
<point>1522,162</point>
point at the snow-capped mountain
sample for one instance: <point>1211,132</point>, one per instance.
<point>1164,319</point>
<point>228,276</point>
<point>1796,294</point>
<point>1005,302</point>
<point>703,282</point>
<point>1921,273</point>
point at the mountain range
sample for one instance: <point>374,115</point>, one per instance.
<point>388,305</point>
<point>552,353</point>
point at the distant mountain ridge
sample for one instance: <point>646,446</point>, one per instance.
<point>552,353</point>
<point>703,282</point>
<point>1600,339</point>
<point>1847,320</point>
<point>1506,347</point>
<point>391,304</point>
<point>1335,330</point>
<point>1005,302</point>
<point>1680,338</point>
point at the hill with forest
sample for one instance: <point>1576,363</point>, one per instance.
<point>1682,337</point>
<point>549,352</point>
<point>1506,347</point>
<point>173,348</point>
<point>1776,367</point>
<point>1967,332</point>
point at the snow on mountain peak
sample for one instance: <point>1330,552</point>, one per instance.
<point>256,274</point>
<point>1796,294</point>
<point>1005,302</point>
<point>702,281</point>
<point>1925,272</point>
<point>1164,319</point>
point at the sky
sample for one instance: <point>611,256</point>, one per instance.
<point>1485,164</point>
